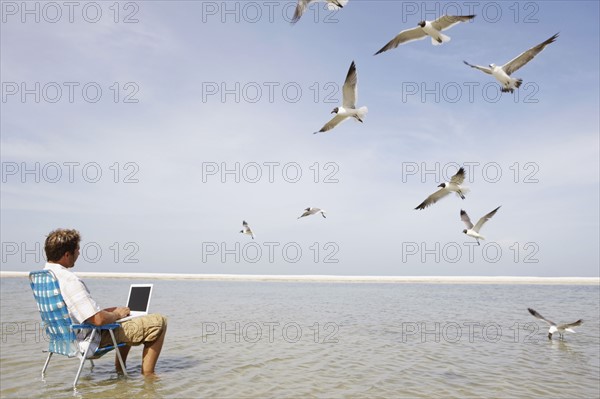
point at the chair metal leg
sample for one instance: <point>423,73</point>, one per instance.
<point>78,372</point>
<point>83,359</point>
<point>46,364</point>
<point>112,335</point>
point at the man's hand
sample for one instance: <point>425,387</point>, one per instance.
<point>108,316</point>
<point>122,311</point>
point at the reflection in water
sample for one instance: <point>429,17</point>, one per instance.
<point>565,348</point>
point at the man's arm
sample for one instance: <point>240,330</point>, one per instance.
<point>107,316</point>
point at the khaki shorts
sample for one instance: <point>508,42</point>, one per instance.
<point>137,331</point>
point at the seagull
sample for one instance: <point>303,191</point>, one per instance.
<point>312,211</point>
<point>302,4</point>
<point>348,108</point>
<point>473,231</point>
<point>561,328</point>
<point>427,28</point>
<point>247,229</point>
<point>453,186</point>
<point>502,73</point>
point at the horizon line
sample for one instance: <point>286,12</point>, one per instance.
<point>335,278</point>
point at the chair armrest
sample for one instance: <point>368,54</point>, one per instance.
<point>111,326</point>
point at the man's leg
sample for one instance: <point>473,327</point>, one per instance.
<point>152,352</point>
<point>148,330</point>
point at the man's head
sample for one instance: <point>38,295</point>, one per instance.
<point>62,247</point>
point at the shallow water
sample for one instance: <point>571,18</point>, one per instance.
<point>253,339</point>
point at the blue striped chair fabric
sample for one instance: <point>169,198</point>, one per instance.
<point>57,322</point>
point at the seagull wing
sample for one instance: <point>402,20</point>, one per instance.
<point>305,213</point>
<point>465,218</point>
<point>336,4</point>
<point>481,68</point>
<point>448,21</point>
<point>247,229</point>
<point>484,219</point>
<point>459,177</point>
<point>526,56</point>
<point>539,316</point>
<point>405,36</point>
<point>300,8</point>
<point>575,324</point>
<point>433,198</point>
<point>349,91</point>
<point>332,123</point>
<point>310,211</point>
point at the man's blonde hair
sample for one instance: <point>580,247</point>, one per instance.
<point>59,242</point>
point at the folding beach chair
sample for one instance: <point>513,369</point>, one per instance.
<point>58,325</point>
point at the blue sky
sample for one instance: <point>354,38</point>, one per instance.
<point>178,93</point>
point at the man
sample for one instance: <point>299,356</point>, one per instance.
<point>62,251</point>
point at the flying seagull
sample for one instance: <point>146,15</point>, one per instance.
<point>247,229</point>
<point>427,28</point>
<point>560,328</point>
<point>348,108</point>
<point>302,4</point>
<point>312,211</point>
<point>502,73</point>
<point>453,186</point>
<point>473,231</point>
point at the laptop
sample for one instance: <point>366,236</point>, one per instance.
<point>138,300</point>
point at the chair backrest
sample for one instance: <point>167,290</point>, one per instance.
<point>54,313</point>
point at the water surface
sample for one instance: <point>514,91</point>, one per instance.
<point>265,339</point>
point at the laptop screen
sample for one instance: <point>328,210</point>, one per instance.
<point>139,298</point>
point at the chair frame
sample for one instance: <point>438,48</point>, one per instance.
<point>52,323</point>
